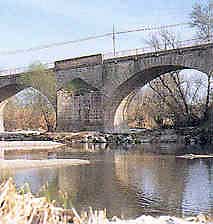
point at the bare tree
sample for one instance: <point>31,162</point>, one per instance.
<point>169,87</point>
<point>163,40</point>
<point>42,79</point>
<point>202,19</point>
<point>175,97</point>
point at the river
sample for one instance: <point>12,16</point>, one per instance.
<point>126,180</point>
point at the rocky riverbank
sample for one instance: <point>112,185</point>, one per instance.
<point>183,136</point>
<point>188,136</point>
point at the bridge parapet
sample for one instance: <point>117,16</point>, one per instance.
<point>142,53</point>
<point>78,62</point>
<point>7,80</point>
<point>88,68</point>
<point>192,43</point>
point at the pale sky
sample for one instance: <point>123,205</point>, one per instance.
<point>30,23</point>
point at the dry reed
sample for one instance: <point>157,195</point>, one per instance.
<point>22,207</point>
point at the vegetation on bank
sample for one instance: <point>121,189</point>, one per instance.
<point>33,108</point>
<point>36,115</point>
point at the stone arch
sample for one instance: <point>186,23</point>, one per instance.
<point>119,70</point>
<point>11,90</point>
<point>136,81</point>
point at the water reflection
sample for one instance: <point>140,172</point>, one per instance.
<point>198,191</point>
<point>158,180</point>
<point>128,181</point>
<point>168,184</point>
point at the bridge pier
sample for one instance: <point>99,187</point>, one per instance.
<point>79,112</point>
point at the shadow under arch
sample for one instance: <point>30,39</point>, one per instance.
<point>137,81</point>
<point>9,91</point>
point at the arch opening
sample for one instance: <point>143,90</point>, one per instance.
<point>122,97</point>
<point>26,109</point>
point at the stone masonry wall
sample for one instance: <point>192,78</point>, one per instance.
<point>79,112</point>
<point>89,69</point>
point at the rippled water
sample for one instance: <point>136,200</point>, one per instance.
<point>127,180</point>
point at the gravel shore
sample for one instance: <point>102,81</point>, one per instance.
<point>21,163</point>
<point>29,145</point>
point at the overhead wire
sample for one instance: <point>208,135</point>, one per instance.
<point>51,64</point>
<point>110,34</point>
<point>47,46</point>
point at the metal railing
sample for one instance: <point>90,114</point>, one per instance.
<point>123,53</point>
<point>138,51</point>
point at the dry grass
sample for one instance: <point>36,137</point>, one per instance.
<point>18,207</point>
<point>21,207</point>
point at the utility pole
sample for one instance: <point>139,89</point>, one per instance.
<point>209,18</point>
<point>113,40</point>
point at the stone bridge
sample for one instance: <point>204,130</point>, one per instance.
<point>116,79</point>
<point>90,89</point>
